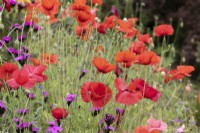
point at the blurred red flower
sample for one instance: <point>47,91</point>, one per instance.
<point>126,95</point>
<point>163,30</point>
<point>59,113</point>
<point>49,58</point>
<point>145,38</point>
<point>137,47</point>
<point>96,92</point>
<point>148,58</point>
<point>146,90</point>
<point>99,2</point>
<point>125,57</point>
<point>6,70</point>
<point>7,5</point>
<point>102,65</point>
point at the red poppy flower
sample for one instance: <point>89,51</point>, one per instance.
<point>96,92</point>
<point>125,57</point>
<point>148,58</point>
<point>141,129</point>
<point>146,90</point>
<point>21,78</point>
<point>35,61</point>
<point>145,38</point>
<point>102,65</point>
<point>126,95</point>
<point>137,47</point>
<point>6,70</point>
<point>99,2</point>
<point>49,7</point>
<point>7,5</point>
<point>49,58</point>
<point>85,18</point>
<point>163,30</point>
<point>110,21</point>
<point>83,32</point>
<point>79,5</point>
<point>132,33</point>
<point>101,28</point>
<point>179,73</point>
<point>59,113</point>
<point>36,72</point>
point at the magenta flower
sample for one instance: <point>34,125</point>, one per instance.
<point>154,124</point>
<point>180,129</point>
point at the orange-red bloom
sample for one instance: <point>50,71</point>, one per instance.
<point>148,58</point>
<point>179,73</point>
<point>6,70</point>
<point>83,32</point>
<point>96,92</point>
<point>137,47</point>
<point>145,38</point>
<point>144,129</point>
<point>59,113</point>
<point>163,30</point>
<point>99,2</point>
<point>102,65</point>
<point>49,58</point>
<point>35,61</point>
<point>125,57</point>
<point>84,18</point>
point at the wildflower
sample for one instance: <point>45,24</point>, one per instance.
<point>35,61</point>
<point>96,92</point>
<point>29,24</point>
<point>21,38</point>
<point>114,10</point>
<point>6,70</point>
<point>163,30</point>
<point>125,57</point>
<point>119,114</point>
<point>23,111</point>
<point>102,65</point>
<point>21,127</point>
<point>95,111</point>
<point>154,124</point>
<point>16,26</point>
<point>145,38</point>
<point>105,123</point>
<point>99,2</point>
<point>126,95</point>
<point>180,129</point>
<point>45,94</point>
<point>31,96</point>
<point>36,28</point>
<point>148,58</point>
<point>2,108</point>
<point>59,113</point>
<point>137,47</point>
<point>13,2</point>
<point>179,73</point>
<point>146,90</point>
<point>84,18</point>
<point>49,58</point>
<point>7,5</point>
<point>83,32</point>
<point>6,39</point>
<point>35,130</point>
<point>83,72</point>
<point>53,128</point>
<point>70,98</point>
<point>141,129</point>
<point>187,88</point>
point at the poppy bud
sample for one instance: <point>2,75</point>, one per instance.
<point>59,113</point>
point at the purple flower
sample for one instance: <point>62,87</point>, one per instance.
<point>21,127</point>
<point>16,27</point>
<point>180,129</point>
<point>35,130</point>
<point>29,24</point>
<point>95,111</point>
<point>45,94</point>
<point>36,28</point>
<point>83,72</point>
<point>23,111</point>
<point>1,43</point>
<point>13,2</point>
<point>109,119</point>
<point>114,10</point>
<point>119,111</point>
<point>70,98</point>
<point>21,38</point>
<point>2,108</point>
<point>1,9</point>
<point>6,39</point>
<point>53,128</point>
<point>107,129</point>
<point>31,96</point>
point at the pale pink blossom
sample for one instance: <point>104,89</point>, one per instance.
<point>156,124</point>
